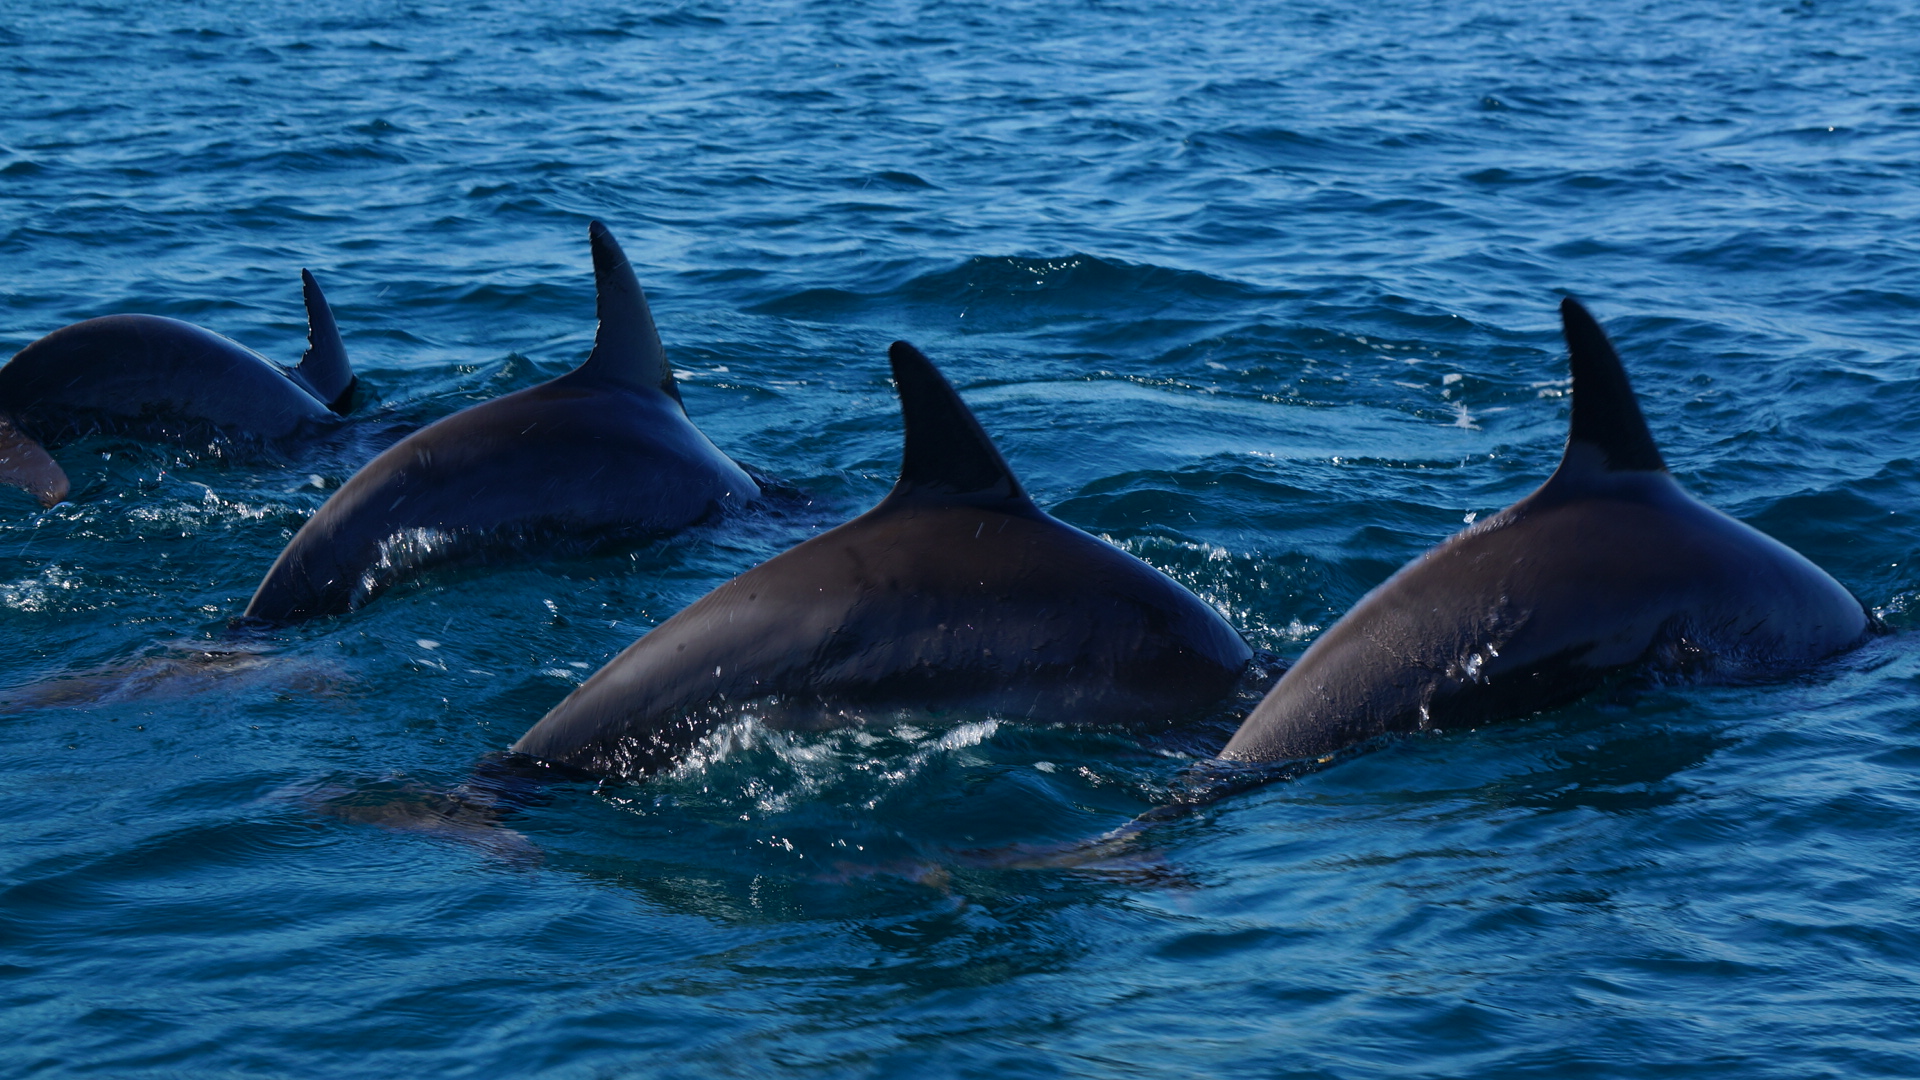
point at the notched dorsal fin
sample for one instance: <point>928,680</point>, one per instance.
<point>324,367</point>
<point>1606,415</point>
<point>626,347</point>
<point>948,457</point>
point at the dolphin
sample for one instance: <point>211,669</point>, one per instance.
<point>956,591</point>
<point>1606,566</point>
<point>603,451</point>
<point>160,377</point>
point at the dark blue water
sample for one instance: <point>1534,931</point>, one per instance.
<point>1262,293</point>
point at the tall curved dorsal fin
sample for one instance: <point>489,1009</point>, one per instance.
<point>626,347</point>
<point>1606,415</point>
<point>324,365</point>
<point>948,457</point>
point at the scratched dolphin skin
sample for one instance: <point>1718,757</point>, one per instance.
<point>601,452</point>
<point>1609,564</point>
<point>955,591</point>
<point>161,378</point>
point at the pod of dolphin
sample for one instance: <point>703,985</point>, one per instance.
<point>956,591</point>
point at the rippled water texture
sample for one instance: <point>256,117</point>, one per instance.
<point>1263,293</point>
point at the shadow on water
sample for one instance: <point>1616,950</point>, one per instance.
<point>1596,762</point>
<point>175,670</point>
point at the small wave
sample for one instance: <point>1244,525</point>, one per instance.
<point>1008,292</point>
<point>1286,149</point>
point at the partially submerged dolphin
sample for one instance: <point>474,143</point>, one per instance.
<point>160,377</point>
<point>1608,564</point>
<point>955,592</point>
<point>602,452</point>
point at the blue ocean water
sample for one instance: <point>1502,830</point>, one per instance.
<point>1263,293</point>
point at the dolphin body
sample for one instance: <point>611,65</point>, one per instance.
<point>955,592</point>
<point>164,378</point>
<point>1607,565</point>
<point>603,451</point>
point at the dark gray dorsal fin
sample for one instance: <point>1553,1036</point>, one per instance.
<point>1606,415</point>
<point>948,457</point>
<point>324,366</point>
<point>626,347</point>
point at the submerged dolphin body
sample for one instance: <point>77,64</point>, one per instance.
<point>1608,564</point>
<point>955,591</point>
<point>161,377</point>
<point>603,451</point>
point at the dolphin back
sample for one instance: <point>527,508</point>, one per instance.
<point>907,611</point>
<point>149,374</point>
<point>1608,565</point>
<point>954,592</point>
<point>159,377</point>
<point>604,452</point>
<point>554,464</point>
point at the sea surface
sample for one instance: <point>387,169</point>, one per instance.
<point>1263,293</point>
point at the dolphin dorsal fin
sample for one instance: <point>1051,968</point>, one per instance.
<point>323,367</point>
<point>948,457</point>
<point>1606,415</point>
<point>26,464</point>
<point>626,347</point>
